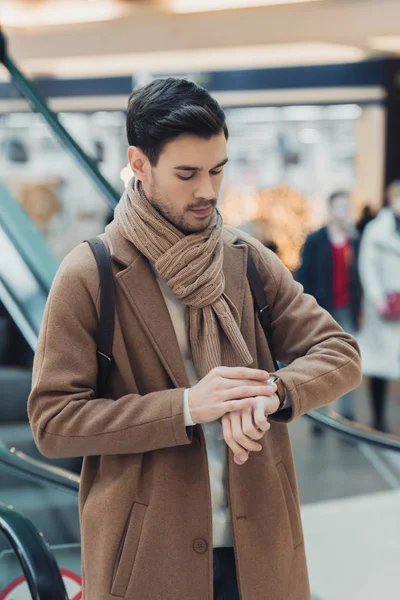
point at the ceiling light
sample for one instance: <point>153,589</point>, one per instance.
<point>385,43</point>
<point>60,12</point>
<point>190,6</point>
<point>210,59</point>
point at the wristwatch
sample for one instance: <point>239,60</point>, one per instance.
<point>281,391</point>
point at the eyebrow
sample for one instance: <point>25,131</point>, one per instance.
<point>187,168</point>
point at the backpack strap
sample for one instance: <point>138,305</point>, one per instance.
<point>261,303</point>
<point>105,331</point>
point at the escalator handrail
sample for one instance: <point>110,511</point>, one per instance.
<point>25,87</point>
<point>357,432</point>
<point>38,471</point>
<point>38,563</point>
<point>18,315</point>
<point>27,240</point>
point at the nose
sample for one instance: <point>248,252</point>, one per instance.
<point>205,190</point>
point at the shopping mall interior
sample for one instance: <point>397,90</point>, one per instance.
<point>311,93</point>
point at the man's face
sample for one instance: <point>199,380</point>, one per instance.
<point>184,185</point>
<point>341,211</point>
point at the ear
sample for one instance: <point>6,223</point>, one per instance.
<point>139,163</point>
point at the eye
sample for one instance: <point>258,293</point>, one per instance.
<point>186,178</point>
<point>215,172</point>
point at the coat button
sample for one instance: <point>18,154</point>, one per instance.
<point>200,546</point>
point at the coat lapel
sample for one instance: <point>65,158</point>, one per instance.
<point>235,271</point>
<point>145,297</point>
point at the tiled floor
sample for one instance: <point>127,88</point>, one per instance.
<point>353,547</point>
<point>351,511</point>
<point>329,467</point>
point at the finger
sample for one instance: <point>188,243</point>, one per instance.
<point>247,391</point>
<point>271,404</point>
<point>260,419</point>
<point>234,405</point>
<point>226,384</point>
<point>239,460</point>
<point>238,435</point>
<point>248,426</point>
<point>242,373</point>
<point>237,450</point>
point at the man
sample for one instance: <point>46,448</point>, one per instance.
<point>188,487</point>
<point>329,272</point>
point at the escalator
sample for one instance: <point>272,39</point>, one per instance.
<point>44,490</point>
<point>23,549</point>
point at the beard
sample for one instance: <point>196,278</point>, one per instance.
<point>180,219</point>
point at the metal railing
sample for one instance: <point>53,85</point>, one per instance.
<point>19,463</point>
<point>355,431</point>
<point>38,563</point>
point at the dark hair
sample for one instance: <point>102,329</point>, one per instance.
<point>167,108</point>
<point>336,195</point>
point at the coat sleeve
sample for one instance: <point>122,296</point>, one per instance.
<point>322,361</point>
<point>66,417</point>
<point>304,273</point>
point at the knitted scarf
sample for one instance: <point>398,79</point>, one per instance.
<point>192,267</point>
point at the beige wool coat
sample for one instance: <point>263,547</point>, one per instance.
<point>145,504</point>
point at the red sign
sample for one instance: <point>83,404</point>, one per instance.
<point>19,590</point>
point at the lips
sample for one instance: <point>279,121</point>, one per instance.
<point>202,212</point>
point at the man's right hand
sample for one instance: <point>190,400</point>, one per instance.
<point>224,390</point>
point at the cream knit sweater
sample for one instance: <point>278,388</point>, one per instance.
<point>215,443</point>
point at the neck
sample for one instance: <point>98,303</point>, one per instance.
<point>337,233</point>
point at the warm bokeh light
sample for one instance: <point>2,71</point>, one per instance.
<point>281,215</point>
<point>386,43</point>
<point>60,12</point>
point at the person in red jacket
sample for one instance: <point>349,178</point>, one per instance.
<point>329,272</point>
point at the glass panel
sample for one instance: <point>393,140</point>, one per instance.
<point>59,197</point>
<point>54,512</point>
<point>21,293</point>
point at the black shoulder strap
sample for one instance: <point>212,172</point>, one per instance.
<point>261,302</point>
<point>105,332</point>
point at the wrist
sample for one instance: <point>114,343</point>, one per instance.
<point>280,389</point>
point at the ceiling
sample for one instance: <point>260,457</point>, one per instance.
<point>110,37</point>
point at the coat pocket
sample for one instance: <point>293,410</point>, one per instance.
<point>127,551</point>
<point>293,511</point>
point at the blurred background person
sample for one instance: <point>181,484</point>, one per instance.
<point>380,277</point>
<point>366,216</point>
<point>329,272</point>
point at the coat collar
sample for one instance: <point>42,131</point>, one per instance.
<point>145,297</point>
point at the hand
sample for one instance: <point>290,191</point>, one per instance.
<point>227,389</point>
<point>241,429</point>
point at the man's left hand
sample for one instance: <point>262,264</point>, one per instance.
<point>242,429</point>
